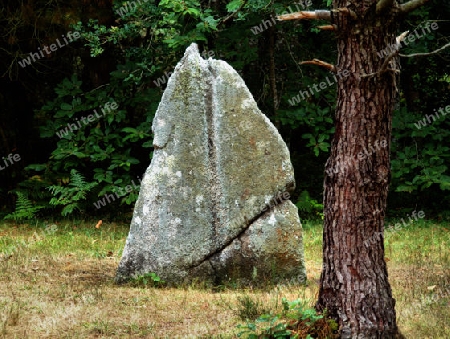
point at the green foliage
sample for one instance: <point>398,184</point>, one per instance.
<point>104,148</point>
<point>266,326</point>
<point>419,162</point>
<point>70,196</point>
<point>313,120</point>
<point>148,279</point>
<point>295,321</point>
<point>420,156</point>
<point>318,144</point>
<point>171,25</point>
<point>25,209</point>
<point>143,43</point>
<point>309,207</point>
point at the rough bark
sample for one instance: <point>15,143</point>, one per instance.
<point>354,282</point>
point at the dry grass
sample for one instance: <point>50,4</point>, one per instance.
<point>60,285</point>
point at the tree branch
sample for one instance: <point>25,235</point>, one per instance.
<point>316,15</point>
<point>384,66</point>
<point>307,15</point>
<point>411,5</point>
<point>401,37</point>
<point>425,54</point>
<point>320,63</point>
<point>328,27</point>
<point>383,5</point>
<point>386,62</point>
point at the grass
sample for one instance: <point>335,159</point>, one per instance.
<point>56,281</point>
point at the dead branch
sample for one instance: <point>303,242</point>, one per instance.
<point>384,66</point>
<point>425,54</point>
<point>307,15</point>
<point>401,37</point>
<point>395,71</point>
<point>412,5</point>
<point>316,15</point>
<point>328,27</point>
<point>320,63</point>
<point>383,5</point>
<point>386,62</point>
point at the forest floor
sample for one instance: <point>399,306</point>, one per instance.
<point>56,281</point>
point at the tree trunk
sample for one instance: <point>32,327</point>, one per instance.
<point>354,282</point>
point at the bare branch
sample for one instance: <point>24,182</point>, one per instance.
<point>328,27</point>
<point>316,15</point>
<point>320,63</point>
<point>388,59</point>
<point>386,62</point>
<point>425,54</point>
<point>384,67</point>
<point>401,37</point>
<point>383,5</point>
<point>412,5</point>
<point>395,71</point>
<point>307,15</point>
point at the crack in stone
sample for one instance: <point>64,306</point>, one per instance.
<point>247,225</point>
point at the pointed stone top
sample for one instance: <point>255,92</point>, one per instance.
<point>193,48</point>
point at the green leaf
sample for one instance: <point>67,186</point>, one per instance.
<point>36,167</point>
<point>65,106</point>
<point>404,188</point>
<point>195,12</point>
<point>234,5</point>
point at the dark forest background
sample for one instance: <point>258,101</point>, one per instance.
<point>125,47</point>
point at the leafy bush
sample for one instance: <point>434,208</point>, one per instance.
<point>309,207</point>
<point>295,321</point>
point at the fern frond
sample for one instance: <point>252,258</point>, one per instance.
<point>77,179</point>
<point>25,209</point>
<point>69,209</point>
<point>70,196</point>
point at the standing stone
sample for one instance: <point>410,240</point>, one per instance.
<point>213,203</point>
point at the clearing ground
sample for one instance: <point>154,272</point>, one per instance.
<point>56,281</point>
